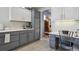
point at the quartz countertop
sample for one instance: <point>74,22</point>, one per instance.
<point>12,30</point>
<point>56,33</point>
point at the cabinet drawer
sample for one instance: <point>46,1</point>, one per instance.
<point>23,32</point>
<point>9,46</point>
<point>14,33</point>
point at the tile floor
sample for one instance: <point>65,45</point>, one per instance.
<point>40,45</point>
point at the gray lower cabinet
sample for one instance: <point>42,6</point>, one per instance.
<point>52,41</point>
<point>2,38</point>
<point>14,41</point>
<point>76,41</point>
<point>30,35</point>
<point>14,36</point>
<point>37,37</point>
<point>76,44</point>
<point>17,39</point>
<point>23,37</point>
<point>9,46</point>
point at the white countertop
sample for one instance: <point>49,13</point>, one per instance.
<point>12,30</point>
<point>56,33</point>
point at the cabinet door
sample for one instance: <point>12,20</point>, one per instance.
<point>23,38</point>
<point>31,35</point>
<point>37,25</point>
<point>69,13</point>
<point>27,15</point>
<point>9,46</point>
<point>76,13</point>
<point>57,13</point>
<point>20,14</point>
<point>16,13</point>
<point>2,38</point>
<point>14,36</point>
<point>52,41</point>
<point>76,41</point>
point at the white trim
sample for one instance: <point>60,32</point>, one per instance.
<point>9,13</point>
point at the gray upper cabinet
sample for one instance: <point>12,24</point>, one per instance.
<point>65,13</point>
<point>37,24</point>
<point>57,13</point>
<point>69,13</point>
<point>76,13</point>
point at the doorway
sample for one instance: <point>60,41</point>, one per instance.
<point>47,22</point>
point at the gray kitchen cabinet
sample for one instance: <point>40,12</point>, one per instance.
<point>9,46</point>
<point>37,25</point>
<point>57,13</point>
<point>69,13</point>
<point>52,40</point>
<point>2,38</point>
<point>14,41</point>
<point>65,13</point>
<point>23,37</point>
<point>76,13</point>
<point>76,41</point>
<point>14,36</point>
<point>76,44</point>
<point>66,42</point>
<point>30,35</point>
<point>17,38</point>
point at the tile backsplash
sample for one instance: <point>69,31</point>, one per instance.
<point>14,25</point>
<point>65,25</point>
